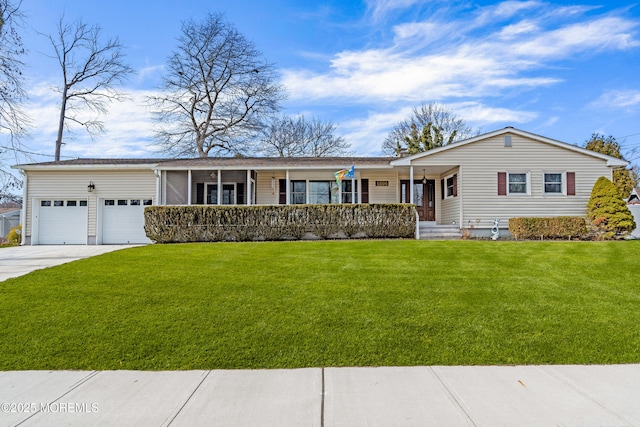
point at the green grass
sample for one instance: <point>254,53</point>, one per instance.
<point>331,303</point>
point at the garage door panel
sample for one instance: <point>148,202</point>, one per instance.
<point>123,221</point>
<point>62,222</point>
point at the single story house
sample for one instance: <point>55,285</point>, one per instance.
<point>498,175</point>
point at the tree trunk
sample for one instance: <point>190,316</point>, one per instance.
<point>63,108</point>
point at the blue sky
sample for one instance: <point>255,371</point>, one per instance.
<point>560,69</point>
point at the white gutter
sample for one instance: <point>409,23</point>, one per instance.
<point>94,167</point>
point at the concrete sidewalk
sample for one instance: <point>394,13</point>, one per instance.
<point>19,260</point>
<point>391,396</point>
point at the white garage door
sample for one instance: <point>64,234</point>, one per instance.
<point>62,222</point>
<point>123,221</point>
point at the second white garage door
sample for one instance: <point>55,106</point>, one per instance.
<point>123,221</point>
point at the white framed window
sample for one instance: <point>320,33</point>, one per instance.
<point>518,184</point>
<point>450,183</point>
<point>553,183</point>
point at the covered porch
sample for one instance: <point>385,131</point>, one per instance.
<point>273,181</point>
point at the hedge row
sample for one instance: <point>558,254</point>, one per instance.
<point>180,224</point>
<point>561,227</point>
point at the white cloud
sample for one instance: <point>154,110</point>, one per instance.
<point>479,59</point>
<point>480,113</point>
<point>379,8</point>
<point>618,99</point>
<point>367,134</point>
<point>505,10</point>
<point>128,128</point>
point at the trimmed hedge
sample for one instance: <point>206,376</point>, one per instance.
<point>560,227</point>
<point>181,224</point>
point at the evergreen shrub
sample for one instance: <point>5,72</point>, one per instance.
<point>607,212</point>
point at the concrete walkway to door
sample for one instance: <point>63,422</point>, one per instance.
<point>19,260</point>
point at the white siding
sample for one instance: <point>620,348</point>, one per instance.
<point>383,194</point>
<point>266,194</point>
<point>635,211</point>
<point>114,183</point>
<point>482,160</point>
<point>449,211</point>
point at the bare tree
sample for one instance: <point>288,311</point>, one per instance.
<point>287,136</point>
<point>217,92</point>
<point>91,70</point>
<point>437,118</point>
<point>12,93</point>
<point>13,121</point>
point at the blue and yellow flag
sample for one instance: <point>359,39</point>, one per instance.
<point>344,173</point>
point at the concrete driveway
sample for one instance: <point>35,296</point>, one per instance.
<point>19,260</point>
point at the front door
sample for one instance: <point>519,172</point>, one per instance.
<point>424,197</point>
<point>228,194</point>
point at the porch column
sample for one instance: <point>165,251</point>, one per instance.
<point>248,187</point>
<point>411,190</point>
<point>219,187</point>
<point>353,191</point>
<point>189,187</point>
<point>288,196</point>
<point>158,175</point>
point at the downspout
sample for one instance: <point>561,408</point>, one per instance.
<point>23,212</point>
<point>460,196</point>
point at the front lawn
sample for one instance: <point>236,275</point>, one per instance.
<point>329,303</point>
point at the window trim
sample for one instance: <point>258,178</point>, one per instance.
<point>454,183</point>
<point>563,183</point>
<point>292,193</point>
<point>527,192</point>
<point>221,193</point>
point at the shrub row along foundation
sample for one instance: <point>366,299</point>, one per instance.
<point>563,227</point>
<point>181,224</point>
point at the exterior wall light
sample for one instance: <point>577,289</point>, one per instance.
<point>91,187</point>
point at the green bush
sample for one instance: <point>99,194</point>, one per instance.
<point>560,227</point>
<point>607,212</point>
<point>15,235</point>
<point>179,224</point>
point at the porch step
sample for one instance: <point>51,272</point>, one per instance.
<point>439,232</point>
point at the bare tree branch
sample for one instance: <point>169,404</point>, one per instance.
<point>91,70</point>
<point>12,118</point>
<point>287,136</point>
<point>217,92</point>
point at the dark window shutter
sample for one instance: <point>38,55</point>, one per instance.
<point>200,193</point>
<point>241,196</point>
<point>502,183</point>
<point>455,185</point>
<point>365,190</point>
<point>442,188</point>
<point>571,183</point>
<point>282,195</point>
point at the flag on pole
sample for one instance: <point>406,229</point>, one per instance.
<point>344,173</point>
